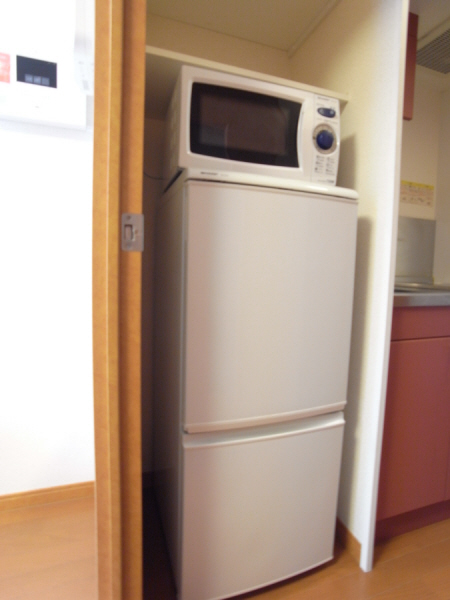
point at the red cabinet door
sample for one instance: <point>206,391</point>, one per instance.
<point>417,427</point>
<point>410,70</point>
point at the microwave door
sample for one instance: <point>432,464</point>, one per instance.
<point>244,126</point>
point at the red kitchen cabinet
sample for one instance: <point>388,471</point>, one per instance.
<point>416,442</point>
<point>410,71</point>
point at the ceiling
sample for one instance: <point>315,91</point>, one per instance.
<point>281,24</point>
<point>433,45</point>
<point>432,13</point>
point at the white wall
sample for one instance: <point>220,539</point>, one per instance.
<point>46,406</point>
<point>442,247</point>
<point>420,144</point>
<point>364,57</point>
<point>425,159</point>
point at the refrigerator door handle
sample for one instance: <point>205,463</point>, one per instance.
<point>254,434</point>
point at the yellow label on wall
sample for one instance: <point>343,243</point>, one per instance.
<point>420,194</point>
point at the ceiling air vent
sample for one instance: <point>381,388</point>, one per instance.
<point>436,54</point>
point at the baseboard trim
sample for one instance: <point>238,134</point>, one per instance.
<point>415,519</point>
<point>47,495</point>
<point>348,540</point>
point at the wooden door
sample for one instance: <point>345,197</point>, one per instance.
<point>118,160</point>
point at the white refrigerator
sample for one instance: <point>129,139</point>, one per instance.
<point>253,306</point>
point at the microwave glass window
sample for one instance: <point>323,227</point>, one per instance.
<point>244,126</point>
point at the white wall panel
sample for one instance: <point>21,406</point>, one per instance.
<point>46,405</point>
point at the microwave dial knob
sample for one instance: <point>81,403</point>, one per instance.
<point>325,139</point>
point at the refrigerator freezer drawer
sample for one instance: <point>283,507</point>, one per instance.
<point>259,508</point>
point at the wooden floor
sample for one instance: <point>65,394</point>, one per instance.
<point>47,552</point>
<point>410,567</point>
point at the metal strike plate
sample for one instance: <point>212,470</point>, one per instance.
<point>132,232</point>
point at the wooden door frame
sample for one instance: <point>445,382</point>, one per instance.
<point>117,188</point>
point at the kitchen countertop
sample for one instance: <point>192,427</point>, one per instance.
<point>419,294</point>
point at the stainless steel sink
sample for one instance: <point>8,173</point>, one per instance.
<point>421,294</point>
<point>422,288</point>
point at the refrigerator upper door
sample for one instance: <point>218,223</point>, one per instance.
<point>268,304</point>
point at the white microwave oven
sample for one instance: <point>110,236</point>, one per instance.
<point>219,122</point>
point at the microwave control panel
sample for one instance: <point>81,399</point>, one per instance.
<point>326,140</point>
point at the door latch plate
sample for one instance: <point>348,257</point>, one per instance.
<point>132,232</point>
